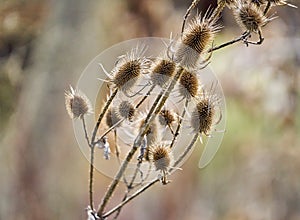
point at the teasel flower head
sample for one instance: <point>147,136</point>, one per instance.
<point>77,104</point>
<point>189,84</point>
<point>162,71</point>
<point>204,115</point>
<point>161,156</point>
<point>112,117</point>
<point>195,40</point>
<point>126,110</point>
<point>250,17</point>
<point>167,117</point>
<point>129,68</point>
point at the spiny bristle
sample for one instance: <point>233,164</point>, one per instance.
<point>126,110</point>
<point>127,75</point>
<point>166,117</point>
<point>152,133</point>
<point>112,117</point>
<point>281,2</point>
<point>162,72</point>
<point>129,68</point>
<point>229,3</point>
<point>161,156</point>
<point>250,17</point>
<point>77,104</point>
<point>203,115</point>
<point>189,84</point>
<point>195,40</point>
<point>258,2</point>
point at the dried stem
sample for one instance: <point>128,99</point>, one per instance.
<point>92,146</point>
<point>187,14</point>
<point>157,106</point>
<point>146,96</point>
<point>179,123</point>
<point>85,131</point>
<point>243,37</point>
<point>137,193</point>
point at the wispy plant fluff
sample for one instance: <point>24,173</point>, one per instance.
<point>139,103</point>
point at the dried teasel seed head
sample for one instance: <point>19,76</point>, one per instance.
<point>166,117</point>
<point>129,68</point>
<point>112,117</point>
<point>203,115</point>
<point>195,40</point>
<point>161,156</point>
<point>126,110</point>
<point>162,71</point>
<point>189,84</point>
<point>250,17</point>
<point>77,104</point>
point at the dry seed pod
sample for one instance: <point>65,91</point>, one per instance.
<point>203,115</point>
<point>250,17</point>
<point>112,117</point>
<point>166,117</point>
<point>77,104</point>
<point>162,71</point>
<point>129,68</point>
<point>126,110</point>
<point>189,84</point>
<point>195,40</point>
<point>161,156</point>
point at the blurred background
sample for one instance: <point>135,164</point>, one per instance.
<point>44,47</point>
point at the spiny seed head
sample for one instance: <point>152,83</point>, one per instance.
<point>202,117</point>
<point>126,110</point>
<point>162,71</point>
<point>195,40</point>
<point>189,84</point>
<point>250,17</point>
<point>129,68</point>
<point>166,117</point>
<point>112,117</point>
<point>161,156</point>
<point>152,133</point>
<point>77,104</point>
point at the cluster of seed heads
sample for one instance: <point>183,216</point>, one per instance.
<point>141,87</point>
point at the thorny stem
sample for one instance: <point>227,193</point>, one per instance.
<point>158,104</point>
<point>243,37</point>
<point>267,7</point>
<point>105,108</point>
<point>92,145</point>
<point>85,131</point>
<point>146,96</point>
<point>154,181</point>
<point>130,198</point>
<point>187,14</point>
<point>179,123</point>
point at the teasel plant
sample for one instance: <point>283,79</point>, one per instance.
<point>139,106</point>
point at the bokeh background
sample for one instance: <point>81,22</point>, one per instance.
<point>44,47</point>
